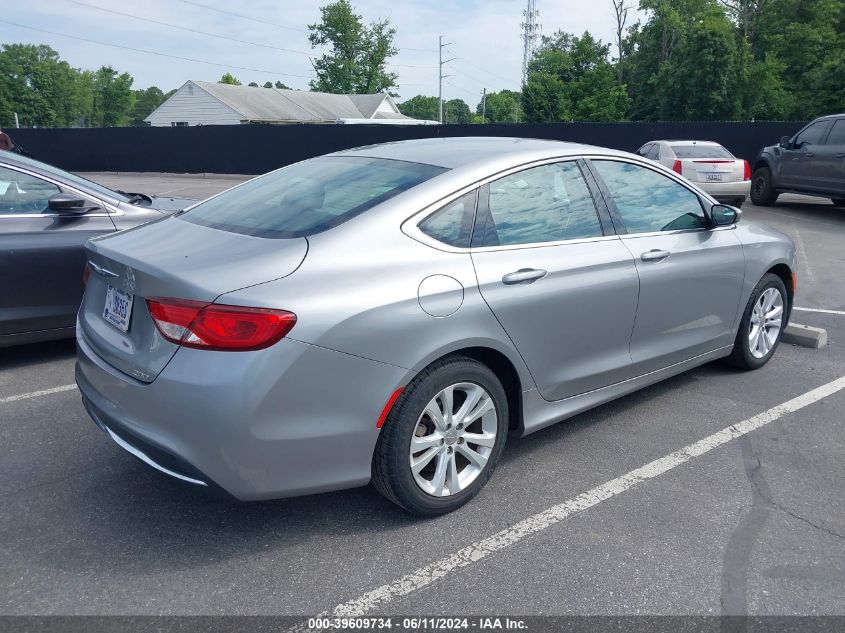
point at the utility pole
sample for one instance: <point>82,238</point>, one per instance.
<point>484,105</point>
<point>440,77</point>
<point>530,34</point>
<point>17,122</point>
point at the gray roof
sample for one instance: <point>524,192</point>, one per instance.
<point>273,104</point>
<point>453,152</point>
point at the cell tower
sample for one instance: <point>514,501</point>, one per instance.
<point>530,35</point>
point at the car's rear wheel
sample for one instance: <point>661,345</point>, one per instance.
<point>762,324</point>
<point>762,191</point>
<point>839,202</point>
<point>443,437</point>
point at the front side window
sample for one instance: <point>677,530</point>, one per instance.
<point>22,193</point>
<point>812,135</point>
<point>309,197</point>
<point>549,203</point>
<point>452,224</point>
<point>648,201</point>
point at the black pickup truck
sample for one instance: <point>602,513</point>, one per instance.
<point>812,163</point>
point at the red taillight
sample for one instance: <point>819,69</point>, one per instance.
<point>211,326</point>
<point>677,168</point>
<point>747,173</point>
<point>86,272</point>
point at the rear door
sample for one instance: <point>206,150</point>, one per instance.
<point>798,164</point>
<point>830,160</point>
<point>559,281</point>
<point>691,275</point>
<point>42,254</point>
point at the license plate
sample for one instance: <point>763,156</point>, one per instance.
<point>713,177</point>
<point>118,308</point>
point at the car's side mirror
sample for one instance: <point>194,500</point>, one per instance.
<point>68,204</point>
<point>784,142</point>
<point>724,215</point>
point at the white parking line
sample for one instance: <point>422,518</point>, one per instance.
<point>482,549</point>
<point>36,394</point>
<point>819,310</point>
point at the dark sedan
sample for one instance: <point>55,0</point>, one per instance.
<point>46,216</point>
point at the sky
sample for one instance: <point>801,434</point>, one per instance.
<point>268,40</point>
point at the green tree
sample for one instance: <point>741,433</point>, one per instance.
<point>146,100</point>
<point>357,60</point>
<point>420,107</point>
<point>502,107</point>
<point>571,79</point>
<point>456,111</point>
<point>253,84</point>
<point>229,79</point>
<point>268,84</point>
<point>281,86</point>
<point>113,98</point>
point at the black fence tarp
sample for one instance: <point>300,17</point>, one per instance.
<point>255,149</point>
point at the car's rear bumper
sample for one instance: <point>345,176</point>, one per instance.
<point>727,191</point>
<point>293,419</point>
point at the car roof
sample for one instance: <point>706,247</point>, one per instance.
<point>458,152</point>
<point>691,142</point>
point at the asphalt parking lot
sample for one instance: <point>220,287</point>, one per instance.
<point>751,525</point>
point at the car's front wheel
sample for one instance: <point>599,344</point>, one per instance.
<point>839,202</point>
<point>762,191</point>
<point>762,324</point>
<point>443,437</point>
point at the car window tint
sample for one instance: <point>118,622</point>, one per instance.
<point>542,204</point>
<point>701,151</point>
<point>453,223</point>
<point>648,201</point>
<point>309,197</point>
<point>837,133</point>
<point>812,135</point>
<point>22,193</point>
<point>654,152</point>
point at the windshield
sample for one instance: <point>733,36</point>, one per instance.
<point>309,197</point>
<point>701,151</point>
<point>70,178</point>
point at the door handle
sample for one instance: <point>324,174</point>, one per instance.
<point>523,275</point>
<point>840,155</point>
<point>654,255</point>
<point>809,154</point>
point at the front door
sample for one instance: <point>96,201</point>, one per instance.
<point>41,255</point>
<point>564,291</point>
<point>798,161</point>
<point>691,275</point>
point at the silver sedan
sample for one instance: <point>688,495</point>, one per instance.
<point>391,313</point>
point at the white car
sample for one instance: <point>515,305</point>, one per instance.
<point>707,164</point>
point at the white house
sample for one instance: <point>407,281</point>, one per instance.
<point>208,103</point>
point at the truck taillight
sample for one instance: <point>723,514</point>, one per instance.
<point>211,326</point>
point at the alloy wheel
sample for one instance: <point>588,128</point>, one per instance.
<point>766,322</point>
<point>453,439</point>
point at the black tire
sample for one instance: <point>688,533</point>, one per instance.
<point>839,202</point>
<point>741,356</point>
<point>763,194</point>
<point>391,471</point>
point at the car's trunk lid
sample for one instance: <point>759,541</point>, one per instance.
<point>170,258</point>
<point>713,170</point>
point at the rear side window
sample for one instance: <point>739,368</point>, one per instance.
<point>452,224</point>
<point>309,197</point>
<point>549,203</point>
<point>649,201</point>
<point>654,152</point>
<point>701,151</point>
<point>837,133</point>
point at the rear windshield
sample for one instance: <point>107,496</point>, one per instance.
<point>309,197</point>
<point>701,151</point>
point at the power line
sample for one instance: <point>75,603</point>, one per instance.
<point>185,28</point>
<point>245,17</point>
<point>149,52</point>
<point>477,67</point>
